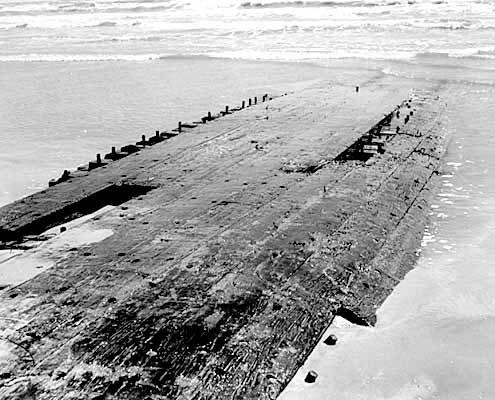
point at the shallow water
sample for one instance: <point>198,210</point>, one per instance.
<point>434,338</point>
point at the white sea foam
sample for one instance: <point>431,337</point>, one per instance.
<point>260,29</point>
<point>80,57</point>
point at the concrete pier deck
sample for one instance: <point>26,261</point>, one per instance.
<point>208,265</point>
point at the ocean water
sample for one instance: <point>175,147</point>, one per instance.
<point>259,29</point>
<point>77,77</point>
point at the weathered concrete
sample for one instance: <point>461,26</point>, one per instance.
<point>218,282</point>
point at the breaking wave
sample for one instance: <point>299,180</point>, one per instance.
<point>313,4</point>
<point>78,57</point>
<point>287,30</point>
<point>106,23</point>
<point>48,9</point>
<point>440,58</point>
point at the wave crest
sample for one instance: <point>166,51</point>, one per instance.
<point>106,23</point>
<point>313,4</point>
